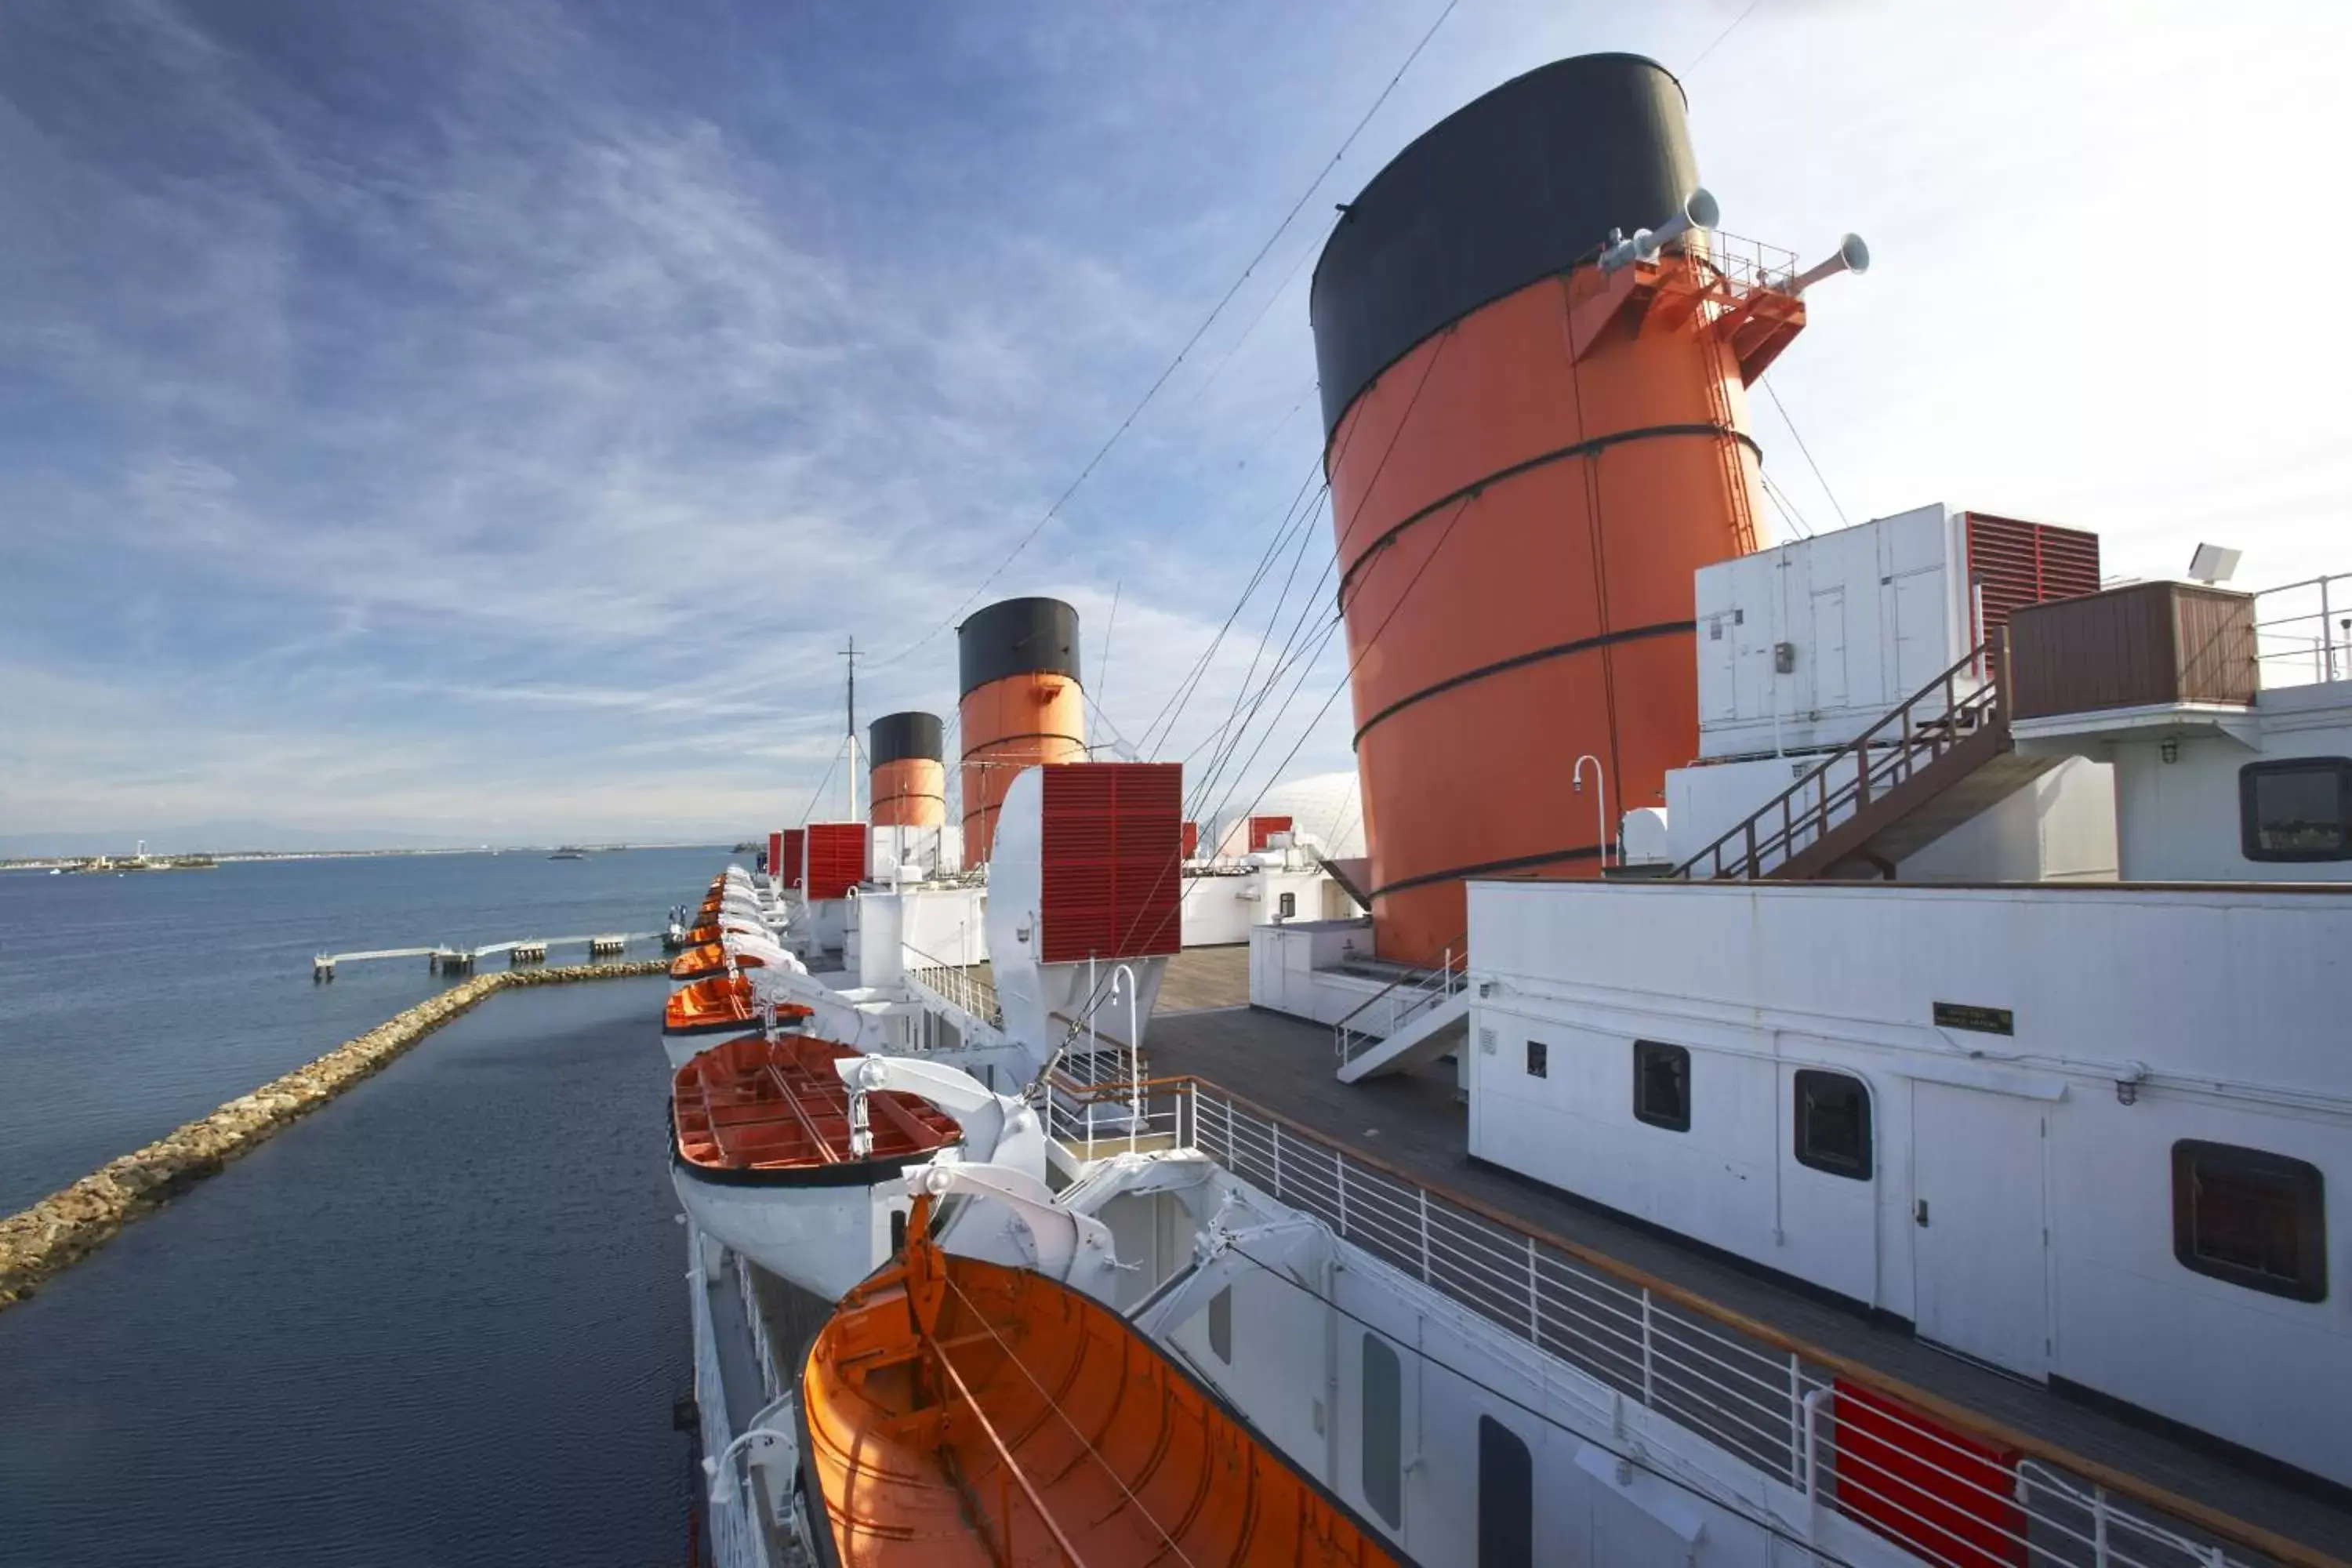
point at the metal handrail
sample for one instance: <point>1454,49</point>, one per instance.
<point>1773,1401</point>
<point>1898,760</point>
<point>957,986</point>
<point>1415,988</point>
<point>2329,650</point>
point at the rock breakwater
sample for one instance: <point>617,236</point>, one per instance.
<point>70,1224</point>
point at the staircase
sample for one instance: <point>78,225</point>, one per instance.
<point>1941,758</point>
<point>1426,1013</point>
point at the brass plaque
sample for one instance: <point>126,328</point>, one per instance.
<point>1983,1020</point>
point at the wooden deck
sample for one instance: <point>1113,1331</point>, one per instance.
<point>1203,1026</point>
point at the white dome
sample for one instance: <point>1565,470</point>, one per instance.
<point>1326,807</point>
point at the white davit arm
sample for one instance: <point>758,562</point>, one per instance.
<point>997,1130</point>
<point>1074,1248</point>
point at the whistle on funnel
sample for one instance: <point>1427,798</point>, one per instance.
<point>1644,244</point>
<point>1851,255</point>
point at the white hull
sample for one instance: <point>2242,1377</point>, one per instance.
<point>821,1239</point>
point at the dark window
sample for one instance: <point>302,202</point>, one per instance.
<point>1221,1325</point>
<point>1538,1059</point>
<point>1288,906</point>
<point>1834,1123</point>
<point>1662,1085</point>
<point>898,1231</point>
<point>2296,810</point>
<point>2252,1218</point>
<point>1383,1430</point>
<point>1506,1497</point>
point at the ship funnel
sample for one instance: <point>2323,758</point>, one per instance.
<point>1022,706</point>
<point>1700,211</point>
<point>910,781</point>
<point>1853,255</point>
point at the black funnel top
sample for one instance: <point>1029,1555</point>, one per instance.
<point>1017,636</point>
<point>895,737</point>
<point>1517,186</point>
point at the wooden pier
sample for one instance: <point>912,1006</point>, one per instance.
<point>445,959</point>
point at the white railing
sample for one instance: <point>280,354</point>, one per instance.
<point>1396,1004</point>
<point>955,986</point>
<point>1841,1436</point>
<point>2303,632</point>
<point>737,1541</point>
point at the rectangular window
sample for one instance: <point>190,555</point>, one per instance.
<point>1538,1059</point>
<point>1506,1497</point>
<point>897,1233</point>
<point>1383,1431</point>
<point>1221,1325</point>
<point>2296,810</point>
<point>1662,1085</point>
<point>1288,907</point>
<point>1834,1123</point>
<point>2252,1218</point>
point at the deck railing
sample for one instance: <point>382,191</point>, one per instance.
<point>737,1538</point>
<point>1947,1486</point>
<point>2302,631</point>
<point>955,986</point>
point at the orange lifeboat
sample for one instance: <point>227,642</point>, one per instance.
<point>714,1006</point>
<point>763,1158</point>
<point>708,960</point>
<point>954,1411</point>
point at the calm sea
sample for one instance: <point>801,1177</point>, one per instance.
<point>440,1321</point>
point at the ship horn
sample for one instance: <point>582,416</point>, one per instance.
<point>1699,211</point>
<point>1853,255</point>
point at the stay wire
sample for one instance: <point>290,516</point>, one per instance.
<point>1778,1531</point>
<point>1190,343</point>
<point>1807,451</point>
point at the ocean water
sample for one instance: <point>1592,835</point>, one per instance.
<point>440,1321</point>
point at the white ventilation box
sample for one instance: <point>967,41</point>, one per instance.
<point>1806,646</point>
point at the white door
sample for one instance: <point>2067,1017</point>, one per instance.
<point>1980,1246</point>
<point>1829,650</point>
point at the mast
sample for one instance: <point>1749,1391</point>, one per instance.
<point>850,653</point>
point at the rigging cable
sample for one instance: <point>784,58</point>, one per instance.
<point>1190,343</point>
<point>1842,520</point>
<point>1723,35</point>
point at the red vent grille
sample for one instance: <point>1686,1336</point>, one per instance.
<point>1112,837</point>
<point>795,842</point>
<point>2014,564</point>
<point>836,858</point>
<point>1924,1485</point>
<point>775,854</point>
<point>1264,829</point>
<point>1192,841</point>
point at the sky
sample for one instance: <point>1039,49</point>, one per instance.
<point>463,421</point>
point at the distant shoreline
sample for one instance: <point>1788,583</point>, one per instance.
<point>228,857</point>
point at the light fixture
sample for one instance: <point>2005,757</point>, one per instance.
<point>2170,749</point>
<point>2128,1086</point>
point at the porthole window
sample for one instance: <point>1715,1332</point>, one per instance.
<point>2299,809</point>
<point>1834,1123</point>
<point>1383,1467</point>
<point>1662,1085</point>
<point>1538,1059</point>
<point>1506,1497</point>
<point>2252,1218</point>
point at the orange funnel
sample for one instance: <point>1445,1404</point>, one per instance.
<point>1529,457</point>
<point>909,781</point>
<point>1022,704</point>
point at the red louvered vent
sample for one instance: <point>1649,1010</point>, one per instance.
<point>836,858</point>
<point>1264,829</point>
<point>2014,564</point>
<point>1192,841</point>
<point>795,844</point>
<point>1111,839</point>
<point>775,854</point>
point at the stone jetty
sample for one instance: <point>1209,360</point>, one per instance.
<point>68,1226</point>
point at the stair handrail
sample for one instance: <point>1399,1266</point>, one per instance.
<point>1988,699</point>
<point>954,982</point>
<point>1425,985</point>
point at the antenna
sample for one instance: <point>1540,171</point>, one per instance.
<point>850,653</point>
<point>2213,563</point>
